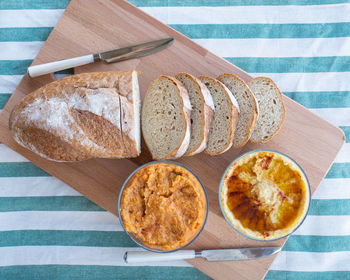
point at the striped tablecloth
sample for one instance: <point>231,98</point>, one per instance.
<point>49,231</point>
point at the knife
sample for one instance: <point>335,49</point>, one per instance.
<point>239,254</point>
<point>109,57</point>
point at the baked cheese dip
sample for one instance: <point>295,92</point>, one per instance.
<point>265,195</point>
<point>164,206</point>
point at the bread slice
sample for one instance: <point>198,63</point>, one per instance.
<point>225,117</point>
<point>130,104</point>
<point>80,117</point>
<point>202,112</point>
<point>271,106</point>
<point>248,107</point>
<point>165,118</point>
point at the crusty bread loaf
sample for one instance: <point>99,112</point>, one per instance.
<point>80,117</point>
<point>225,117</point>
<point>248,107</point>
<point>202,112</point>
<point>271,106</point>
<point>165,118</point>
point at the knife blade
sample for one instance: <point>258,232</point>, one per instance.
<point>237,254</point>
<point>134,51</point>
<point>108,57</point>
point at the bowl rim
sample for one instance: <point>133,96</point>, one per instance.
<point>127,181</point>
<point>222,182</point>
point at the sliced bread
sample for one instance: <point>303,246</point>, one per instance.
<point>165,118</point>
<point>248,107</point>
<point>202,112</point>
<point>225,117</point>
<point>271,106</point>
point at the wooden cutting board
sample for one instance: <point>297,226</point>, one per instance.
<point>92,26</point>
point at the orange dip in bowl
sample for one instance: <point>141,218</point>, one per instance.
<point>163,206</point>
<point>264,195</point>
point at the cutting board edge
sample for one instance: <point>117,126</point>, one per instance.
<point>265,270</point>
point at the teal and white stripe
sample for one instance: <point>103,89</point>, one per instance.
<point>48,229</point>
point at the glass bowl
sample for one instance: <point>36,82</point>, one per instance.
<point>135,238</point>
<point>300,220</point>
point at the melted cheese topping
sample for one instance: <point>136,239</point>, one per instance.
<point>265,195</point>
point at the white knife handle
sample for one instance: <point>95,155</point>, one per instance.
<point>145,256</point>
<point>42,69</point>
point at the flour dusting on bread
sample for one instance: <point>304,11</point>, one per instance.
<point>81,114</point>
<point>104,102</point>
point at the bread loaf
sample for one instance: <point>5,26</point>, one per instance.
<point>90,115</point>
<point>165,118</point>
<point>202,112</point>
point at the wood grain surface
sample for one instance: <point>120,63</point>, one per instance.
<point>90,26</point>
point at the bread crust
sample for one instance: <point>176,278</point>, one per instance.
<point>90,135</point>
<point>255,111</point>
<point>283,106</point>
<point>207,116</point>
<point>234,117</point>
<point>186,106</point>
